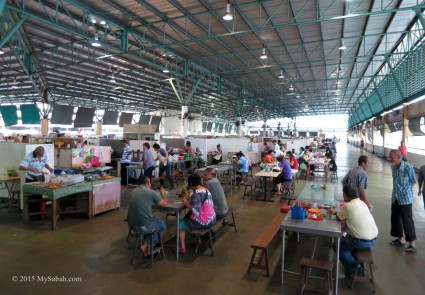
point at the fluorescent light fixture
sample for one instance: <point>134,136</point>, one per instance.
<point>112,80</point>
<point>93,20</point>
<point>342,46</point>
<point>281,75</point>
<point>398,108</point>
<point>165,70</point>
<point>263,55</point>
<point>14,84</point>
<point>291,87</point>
<point>102,22</point>
<point>417,99</point>
<point>96,42</point>
<point>228,15</point>
<point>1,51</point>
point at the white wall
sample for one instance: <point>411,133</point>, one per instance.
<point>172,126</point>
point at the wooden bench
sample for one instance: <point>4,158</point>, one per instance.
<point>198,233</point>
<point>262,243</point>
<point>252,183</point>
<point>219,226</point>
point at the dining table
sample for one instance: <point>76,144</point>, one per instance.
<point>330,228</point>
<point>314,190</point>
<point>265,175</point>
<point>174,207</point>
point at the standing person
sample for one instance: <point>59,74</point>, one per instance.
<point>358,177</point>
<point>164,165</point>
<point>188,148</point>
<point>198,153</point>
<point>140,217</point>
<point>148,160</point>
<point>33,164</point>
<point>402,225</point>
<point>362,229</point>
<point>403,149</point>
<point>421,181</point>
<point>217,192</point>
<point>218,155</point>
<point>362,143</point>
<point>125,160</point>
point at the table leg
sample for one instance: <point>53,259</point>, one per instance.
<point>54,213</point>
<point>337,265</point>
<point>90,205</point>
<point>26,216</point>
<point>178,235</point>
<point>282,263</point>
<point>265,188</point>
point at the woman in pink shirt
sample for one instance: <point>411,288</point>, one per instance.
<point>403,149</point>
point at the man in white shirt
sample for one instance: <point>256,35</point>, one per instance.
<point>362,230</point>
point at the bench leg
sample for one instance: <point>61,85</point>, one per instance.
<point>251,263</point>
<point>211,243</point>
<point>234,222</point>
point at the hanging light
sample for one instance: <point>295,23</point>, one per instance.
<point>166,70</point>
<point>1,51</point>
<point>96,42</point>
<point>342,45</point>
<point>102,22</point>
<point>228,15</point>
<point>112,80</point>
<point>291,87</point>
<point>14,84</point>
<point>281,75</point>
<point>263,55</point>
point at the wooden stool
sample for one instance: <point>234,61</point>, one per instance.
<point>365,256</point>
<point>307,264</point>
<point>139,241</point>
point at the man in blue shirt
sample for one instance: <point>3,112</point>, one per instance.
<point>402,225</point>
<point>125,160</point>
<point>148,160</point>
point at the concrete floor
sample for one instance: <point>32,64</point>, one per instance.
<point>96,253</point>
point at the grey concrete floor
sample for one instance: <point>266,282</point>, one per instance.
<point>95,252</point>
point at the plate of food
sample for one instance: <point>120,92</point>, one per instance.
<point>315,217</point>
<point>314,211</point>
<point>54,185</point>
<point>325,206</point>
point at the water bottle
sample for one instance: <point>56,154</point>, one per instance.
<point>315,205</point>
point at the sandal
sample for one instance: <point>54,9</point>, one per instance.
<point>411,249</point>
<point>397,242</point>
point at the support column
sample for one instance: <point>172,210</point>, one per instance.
<point>44,126</point>
<point>405,124</point>
<point>99,125</point>
<point>240,127</point>
<point>265,128</point>
<point>184,121</point>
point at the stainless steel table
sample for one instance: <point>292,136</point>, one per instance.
<point>174,208</point>
<point>326,228</point>
<point>318,194</point>
<point>266,175</point>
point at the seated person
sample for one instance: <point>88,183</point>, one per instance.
<point>362,230</point>
<point>201,206</point>
<point>331,163</point>
<point>285,175</point>
<point>243,165</point>
<point>269,157</point>
<point>292,162</point>
<point>217,192</point>
<point>218,155</point>
<point>140,217</point>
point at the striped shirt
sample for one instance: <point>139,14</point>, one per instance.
<point>32,162</point>
<point>357,177</point>
<point>126,154</point>
<point>403,180</point>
